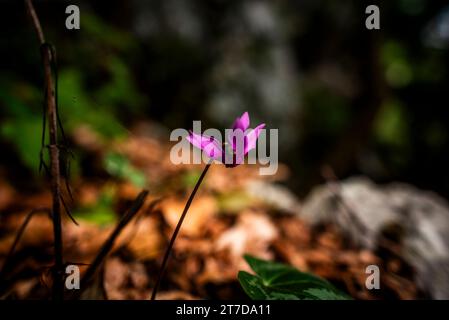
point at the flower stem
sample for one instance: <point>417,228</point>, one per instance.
<point>175,233</point>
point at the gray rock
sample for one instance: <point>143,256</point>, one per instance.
<point>365,211</point>
<point>276,195</point>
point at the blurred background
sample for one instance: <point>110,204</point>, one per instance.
<point>363,102</point>
<point>369,102</point>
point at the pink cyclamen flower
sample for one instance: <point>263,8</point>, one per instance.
<point>240,139</point>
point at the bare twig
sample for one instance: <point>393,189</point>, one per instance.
<point>19,236</point>
<point>135,226</point>
<point>67,211</point>
<point>51,110</point>
<point>35,20</point>
<point>175,233</point>
<point>109,243</point>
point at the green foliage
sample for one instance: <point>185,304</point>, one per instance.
<point>24,134</point>
<point>120,89</point>
<point>119,166</point>
<point>84,98</point>
<point>391,125</point>
<point>398,68</point>
<point>102,212</point>
<point>21,127</point>
<point>78,107</point>
<point>275,281</point>
<point>190,178</point>
<point>99,32</point>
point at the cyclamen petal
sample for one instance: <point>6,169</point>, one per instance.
<point>242,122</point>
<point>235,137</point>
<point>239,135</point>
<point>209,145</point>
<point>198,140</point>
<point>252,136</point>
<point>213,150</point>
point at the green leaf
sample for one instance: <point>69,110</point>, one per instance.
<point>276,281</point>
<point>119,166</point>
<point>120,90</point>
<point>78,107</point>
<point>100,213</point>
<point>25,135</point>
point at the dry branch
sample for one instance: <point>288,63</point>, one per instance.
<point>55,176</point>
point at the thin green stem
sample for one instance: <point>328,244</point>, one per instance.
<point>175,233</point>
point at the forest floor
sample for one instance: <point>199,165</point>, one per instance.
<point>225,222</point>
